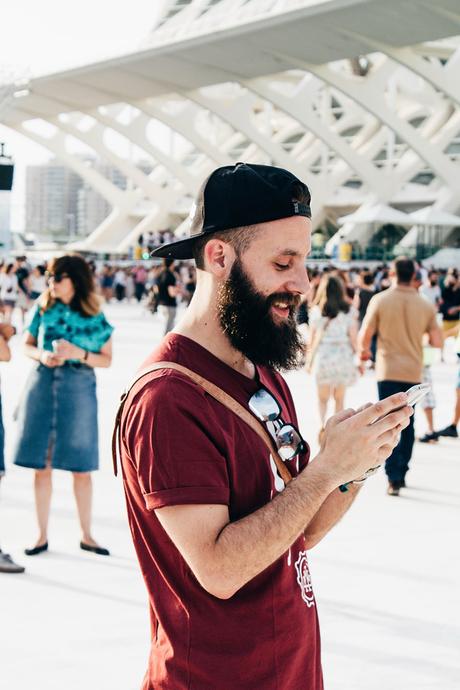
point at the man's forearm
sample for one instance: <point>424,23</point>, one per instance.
<point>364,340</point>
<point>246,547</point>
<point>225,555</point>
<point>329,514</point>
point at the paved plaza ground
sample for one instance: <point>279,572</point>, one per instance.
<point>386,578</point>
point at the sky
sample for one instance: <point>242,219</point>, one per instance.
<point>45,36</point>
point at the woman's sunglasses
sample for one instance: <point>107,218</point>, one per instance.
<point>56,277</point>
<point>288,440</point>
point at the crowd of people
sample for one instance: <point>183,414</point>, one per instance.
<point>329,316</point>
<point>146,243</point>
<point>216,521</point>
<point>161,286</point>
<point>21,283</point>
<point>335,310</point>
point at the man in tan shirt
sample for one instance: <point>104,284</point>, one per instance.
<point>399,317</point>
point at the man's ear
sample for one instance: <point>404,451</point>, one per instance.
<point>219,257</point>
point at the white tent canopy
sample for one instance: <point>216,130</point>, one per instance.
<point>434,216</point>
<point>364,222</point>
<point>428,221</point>
<point>449,257</point>
<point>378,214</point>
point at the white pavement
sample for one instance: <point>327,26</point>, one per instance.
<point>386,578</point>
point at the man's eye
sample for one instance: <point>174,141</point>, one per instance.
<point>281,267</point>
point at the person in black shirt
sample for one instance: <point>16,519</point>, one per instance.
<point>167,291</point>
<point>365,294</point>
<point>450,305</point>
<point>190,286</point>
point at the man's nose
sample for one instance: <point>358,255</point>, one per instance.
<point>299,282</point>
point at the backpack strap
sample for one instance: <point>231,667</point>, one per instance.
<point>219,395</point>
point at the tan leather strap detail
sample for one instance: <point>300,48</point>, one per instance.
<point>219,395</point>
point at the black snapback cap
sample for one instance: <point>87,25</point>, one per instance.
<point>238,195</point>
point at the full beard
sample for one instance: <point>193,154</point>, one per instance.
<point>245,318</point>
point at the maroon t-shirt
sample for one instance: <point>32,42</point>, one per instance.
<point>180,446</point>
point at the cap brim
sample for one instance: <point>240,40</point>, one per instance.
<point>182,249</point>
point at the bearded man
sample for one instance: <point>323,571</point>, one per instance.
<point>221,540</point>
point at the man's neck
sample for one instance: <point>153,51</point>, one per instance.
<point>405,285</point>
<point>201,324</point>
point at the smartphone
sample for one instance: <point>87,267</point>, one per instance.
<point>414,395</point>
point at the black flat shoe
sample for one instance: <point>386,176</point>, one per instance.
<point>94,549</point>
<point>430,437</point>
<point>36,549</point>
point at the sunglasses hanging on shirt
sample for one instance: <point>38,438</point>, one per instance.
<point>288,440</point>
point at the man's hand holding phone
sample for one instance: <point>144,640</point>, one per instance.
<point>356,441</point>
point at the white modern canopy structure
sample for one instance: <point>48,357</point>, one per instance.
<point>430,221</point>
<point>359,98</point>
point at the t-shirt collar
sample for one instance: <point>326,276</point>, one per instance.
<point>249,384</point>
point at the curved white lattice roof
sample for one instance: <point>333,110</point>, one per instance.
<point>333,89</point>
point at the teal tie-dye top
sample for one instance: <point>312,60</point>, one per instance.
<point>60,321</point>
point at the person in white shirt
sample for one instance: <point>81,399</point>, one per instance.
<point>8,291</point>
<point>431,290</point>
<point>37,282</point>
<point>432,293</point>
<point>120,282</point>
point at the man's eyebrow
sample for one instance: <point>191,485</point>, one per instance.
<point>289,252</point>
<point>292,252</point>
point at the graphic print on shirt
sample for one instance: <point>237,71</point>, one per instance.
<point>304,579</point>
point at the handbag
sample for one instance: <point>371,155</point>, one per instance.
<point>218,394</point>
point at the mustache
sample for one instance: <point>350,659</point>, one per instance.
<point>288,298</point>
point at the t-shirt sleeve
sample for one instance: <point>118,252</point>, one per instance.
<point>33,320</point>
<point>104,330</point>
<point>174,439</point>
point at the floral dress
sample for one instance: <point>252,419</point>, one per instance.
<point>334,360</point>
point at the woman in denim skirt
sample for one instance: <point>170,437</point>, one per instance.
<point>68,336</point>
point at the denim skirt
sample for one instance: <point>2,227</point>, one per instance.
<point>57,416</point>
